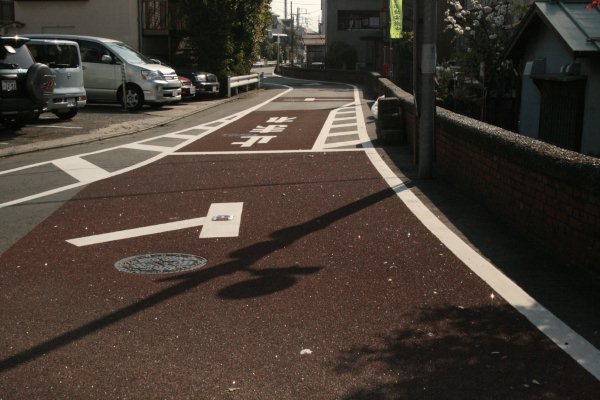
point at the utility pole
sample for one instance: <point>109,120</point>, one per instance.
<point>292,41</point>
<point>424,62</point>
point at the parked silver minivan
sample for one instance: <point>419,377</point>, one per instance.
<point>108,63</point>
<point>63,58</point>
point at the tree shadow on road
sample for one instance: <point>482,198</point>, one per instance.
<point>243,260</point>
<point>488,352</point>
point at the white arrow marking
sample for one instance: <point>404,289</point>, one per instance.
<point>211,229</point>
<point>252,140</point>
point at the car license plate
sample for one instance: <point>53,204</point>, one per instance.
<point>9,86</point>
<point>193,90</point>
<point>71,102</point>
<point>214,89</point>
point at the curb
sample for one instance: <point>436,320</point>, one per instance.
<point>102,134</point>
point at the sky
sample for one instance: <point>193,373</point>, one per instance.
<point>310,11</point>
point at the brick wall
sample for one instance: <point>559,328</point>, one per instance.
<point>549,194</point>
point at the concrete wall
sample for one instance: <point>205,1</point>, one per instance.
<point>549,194</point>
<point>115,19</point>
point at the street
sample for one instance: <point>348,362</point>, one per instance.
<point>264,249</point>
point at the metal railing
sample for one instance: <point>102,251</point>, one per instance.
<point>247,81</point>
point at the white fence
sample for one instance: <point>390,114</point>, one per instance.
<point>247,81</point>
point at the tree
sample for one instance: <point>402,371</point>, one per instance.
<point>225,35</point>
<point>483,30</point>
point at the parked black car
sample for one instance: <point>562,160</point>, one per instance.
<point>205,82</point>
<point>25,86</point>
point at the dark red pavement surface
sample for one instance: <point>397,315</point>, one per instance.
<point>296,132</point>
<point>328,259</point>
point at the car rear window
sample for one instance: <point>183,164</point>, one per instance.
<point>55,55</point>
<point>20,59</point>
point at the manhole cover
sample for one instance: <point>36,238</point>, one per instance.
<point>160,263</point>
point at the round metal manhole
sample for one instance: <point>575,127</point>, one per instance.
<point>160,263</point>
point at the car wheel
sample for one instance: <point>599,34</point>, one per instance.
<point>134,98</point>
<point>40,83</point>
<point>70,113</point>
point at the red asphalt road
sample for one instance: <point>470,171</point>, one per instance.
<point>328,259</point>
<point>298,134</point>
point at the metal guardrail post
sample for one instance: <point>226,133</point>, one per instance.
<point>228,86</point>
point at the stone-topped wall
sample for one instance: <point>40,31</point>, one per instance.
<point>549,194</point>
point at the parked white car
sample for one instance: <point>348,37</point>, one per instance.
<point>108,64</point>
<point>64,59</point>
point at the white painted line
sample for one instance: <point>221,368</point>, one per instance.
<point>344,119</point>
<point>177,136</point>
<point>221,153</point>
<point>556,330</point>
<point>148,147</point>
<point>352,111</point>
<point>216,228</point>
<point>355,132</point>
<point>342,125</point>
<point>310,99</point>
<point>80,169</point>
<point>211,229</point>
<point>137,232</point>
<point>344,144</point>
<point>205,132</point>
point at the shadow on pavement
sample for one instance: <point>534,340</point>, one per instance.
<point>486,352</point>
<point>243,260</point>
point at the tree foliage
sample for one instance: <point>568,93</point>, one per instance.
<point>225,35</point>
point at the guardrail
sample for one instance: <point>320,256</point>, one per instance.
<point>259,64</point>
<point>235,82</point>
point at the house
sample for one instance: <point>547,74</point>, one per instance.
<point>557,49</point>
<point>314,48</point>
<point>360,24</point>
<point>142,24</point>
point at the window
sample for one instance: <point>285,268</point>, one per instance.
<point>92,52</point>
<point>7,12</point>
<point>351,20</point>
<point>55,55</point>
<point>155,15</point>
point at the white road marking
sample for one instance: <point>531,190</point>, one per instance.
<point>136,232</point>
<point>556,330</point>
<point>310,99</point>
<point>252,140</point>
<point>211,229</point>
<point>147,147</point>
<point>204,131</point>
<point>80,169</point>
<point>215,228</point>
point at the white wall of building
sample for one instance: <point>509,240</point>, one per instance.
<point>545,44</point>
<point>115,19</point>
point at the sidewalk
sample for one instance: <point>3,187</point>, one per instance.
<point>103,121</point>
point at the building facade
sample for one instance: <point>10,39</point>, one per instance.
<point>558,52</point>
<point>142,24</point>
<point>360,24</point>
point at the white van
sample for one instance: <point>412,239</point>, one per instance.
<point>63,58</point>
<point>107,63</point>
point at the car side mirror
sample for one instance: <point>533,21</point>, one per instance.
<point>106,59</point>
